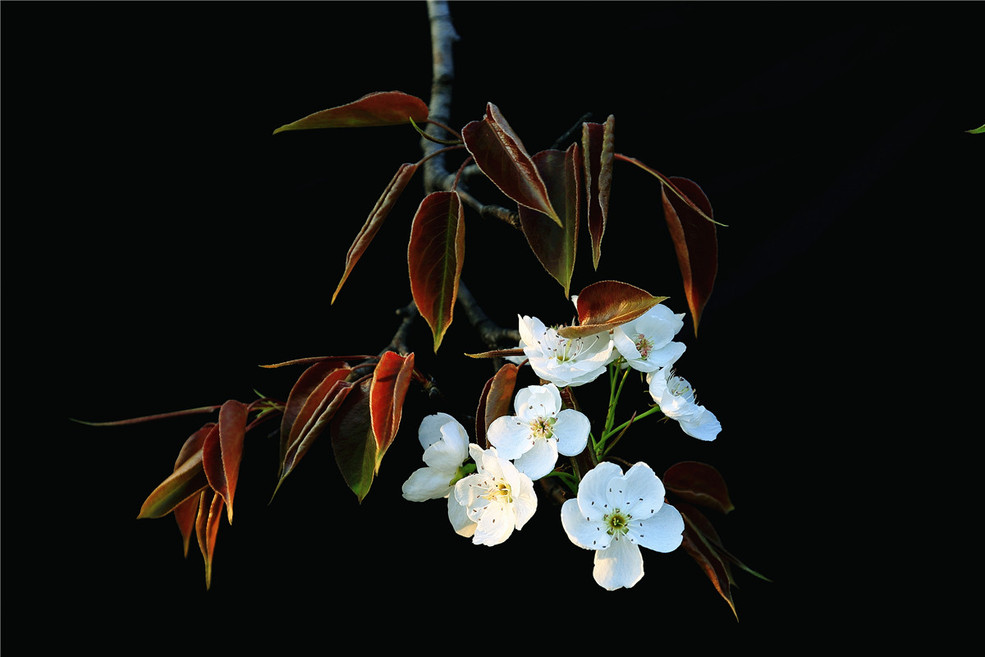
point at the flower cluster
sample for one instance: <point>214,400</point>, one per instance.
<point>614,513</point>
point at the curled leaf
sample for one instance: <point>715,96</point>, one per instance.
<point>607,304</point>
<point>315,411</point>
<point>495,400</point>
<point>695,241</point>
<point>207,528</point>
<point>380,108</point>
<point>501,156</point>
<point>187,480</point>
<point>388,388</point>
<point>597,146</point>
<point>222,451</point>
<point>375,220</point>
<point>435,256</point>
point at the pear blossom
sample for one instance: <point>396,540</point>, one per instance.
<point>646,343</point>
<point>496,499</point>
<point>564,361</point>
<point>616,514</point>
<point>446,447</point>
<point>677,400</point>
<point>540,430</point>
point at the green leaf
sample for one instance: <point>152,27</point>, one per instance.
<point>597,146</point>
<point>435,256</point>
<point>977,131</point>
<point>381,108</point>
<point>388,388</point>
<point>555,245</point>
<point>375,220</point>
<point>698,483</point>
<point>607,304</point>
<point>501,156</point>
<point>695,242</point>
<point>353,440</point>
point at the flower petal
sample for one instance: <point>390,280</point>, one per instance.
<point>495,525</point>
<point>592,491</point>
<point>621,565</point>
<point>639,492</point>
<point>426,484</point>
<point>510,436</point>
<point>459,518</point>
<point>430,430</point>
<point>703,427</point>
<point>539,460</point>
<point>585,532</point>
<point>662,532</point>
<point>571,431</point>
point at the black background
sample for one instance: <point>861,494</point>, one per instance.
<point>160,243</point>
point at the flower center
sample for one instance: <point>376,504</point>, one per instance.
<point>680,388</point>
<point>542,427</point>
<point>617,522</point>
<point>500,492</point>
<point>643,345</point>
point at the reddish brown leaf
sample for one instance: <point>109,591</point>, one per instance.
<point>207,528</point>
<point>222,452</point>
<point>695,241</point>
<point>311,360</point>
<point>305,384</point>
<point>375,109</point>
<point>501,156</point>
<point>701,543</point>
<point>495,400</point>
<point>379,213</point>
<point>598,147</point>
<point>698,483</point>
<point>607,304</point>
<point>435,256</point>
<point>388,389</point>
<point>555,245</point>
<point>314,415</point>
<point>185,513</point>
<point>353,441</point>
<point>185,481</point>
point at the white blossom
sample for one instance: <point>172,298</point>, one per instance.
<point>496,499</point>
<point>647,342</point>
<point>539,431</point>
<point>446,447</point>
<point>677,400</point>
<point>616,514</point>
<point>564,361</point>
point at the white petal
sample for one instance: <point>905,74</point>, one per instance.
<point>539,460</point>
<point>524,503</point>
<point>585,532</point>
<point>495,525</point>
<point>535,402</point>
<point>426,484</point>
<point>642,492</point>
<point>510,436</point>
<point>459,518</point>
<point>571,431</point>
<point>430,430</point>
<point>451,451</point>
<point>621,565</point>
<point>704,427</point>
<point>593,490</point>
<point>662,532</point>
